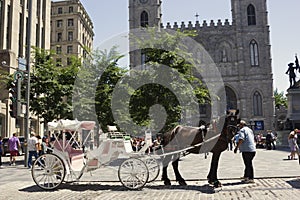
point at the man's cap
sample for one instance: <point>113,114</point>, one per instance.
<point>290,64</point>
<point>242,122</point>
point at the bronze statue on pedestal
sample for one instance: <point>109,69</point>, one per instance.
<point>291,71</point>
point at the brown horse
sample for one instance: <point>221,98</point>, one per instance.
<point>193,140</point>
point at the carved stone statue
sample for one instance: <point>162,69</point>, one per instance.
<point>291,71</point>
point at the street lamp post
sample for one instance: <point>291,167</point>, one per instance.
<point>27,96</point>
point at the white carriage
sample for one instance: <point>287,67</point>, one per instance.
<point>75,151</point>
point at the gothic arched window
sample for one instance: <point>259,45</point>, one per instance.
<point>257,104</point>
<point>254,53</point>
<point>231,99</point>
<point>251,15</point>
<point>144,19</point>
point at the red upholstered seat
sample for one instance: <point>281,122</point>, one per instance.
<point>74,154</point>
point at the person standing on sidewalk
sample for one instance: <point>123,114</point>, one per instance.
<point>32,146</point>
<point>13,146</point>
<point>1,151</point>
<point>246,145</point>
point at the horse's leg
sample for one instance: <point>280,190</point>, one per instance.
<point>178,176</point>
<point>212,176</point>
<point>164,177</point>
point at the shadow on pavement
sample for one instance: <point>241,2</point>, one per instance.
<point>295,183</point>
<point>207,189</point>
<point>76,187</point>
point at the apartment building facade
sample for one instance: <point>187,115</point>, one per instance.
<point>71,31</point>
<point>14,30</point>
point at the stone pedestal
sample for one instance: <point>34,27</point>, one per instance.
<point>293,115</point>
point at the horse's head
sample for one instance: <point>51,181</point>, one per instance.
<point>231,121</point>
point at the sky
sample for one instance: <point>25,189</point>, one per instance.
<point>110,18</point>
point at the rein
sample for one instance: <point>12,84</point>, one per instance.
<point>191,147</point>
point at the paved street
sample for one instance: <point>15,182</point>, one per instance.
<point>276,178</point>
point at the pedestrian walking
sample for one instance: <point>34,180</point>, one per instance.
<point>292,140</point>
<point>246,145</point>
<point>32,146</point>
<point>1,151</point>
<point>40,151</point>
<point>13,146</point>
<point>273,141</point>
<point>269,138</point>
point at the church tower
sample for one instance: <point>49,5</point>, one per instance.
<point>143,14</point>
<point>253,58</point>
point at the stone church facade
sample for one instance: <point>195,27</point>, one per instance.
<point>241,50</point>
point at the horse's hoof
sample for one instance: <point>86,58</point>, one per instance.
<point>167,182</point>
<point>182,182</point>
<point>217,184</point>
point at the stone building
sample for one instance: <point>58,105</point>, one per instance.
<point>240,49</point>
<point>13,43</point>
<point>71,30</point>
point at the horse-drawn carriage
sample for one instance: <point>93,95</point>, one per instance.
<point>74,151</point>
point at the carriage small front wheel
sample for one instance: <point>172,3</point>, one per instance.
<point>48,171</point>
<point>153,168</point>
<point>133,173</point>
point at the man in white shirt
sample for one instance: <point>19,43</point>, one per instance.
<point>32,146</point>
<point>248,148</point>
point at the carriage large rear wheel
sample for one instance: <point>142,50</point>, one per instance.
<point>133,173</point>
<point>48,171</point>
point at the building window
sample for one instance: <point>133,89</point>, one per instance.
<point>69,61</point>
<point>70,36</point>
<point>58,61</point>
<point>251,15</point>
<point>59,23</point>
<point>254,53</point>
<point>224,55</point>
<point>59,10</point>
<point>70,22</point>
<point>38,8</point>
<point>21,2</point>
<point>69,49</point>
<point>231,98</point>
<point>203,109</point>
<point>257,104</point>
<point>59,37</point>
<point>58,50</point>
<point>144,19</point>
<point>70,9</point>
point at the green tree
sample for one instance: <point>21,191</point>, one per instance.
<point>51,86</point>
<point>95,83</point>
<point>177,58</point>
<point>280,99</point>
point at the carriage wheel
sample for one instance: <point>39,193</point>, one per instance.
<point>133,173</point>
<point>153,168</point>
<point>48,171</point>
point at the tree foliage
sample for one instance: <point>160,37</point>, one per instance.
<point>95,84</point>
<point>51,86</point>
<point>165,50</point>
<point>280,99</point>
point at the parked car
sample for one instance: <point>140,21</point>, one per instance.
<point>21,149</point>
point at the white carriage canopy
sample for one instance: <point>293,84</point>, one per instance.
<point>71,125</point>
